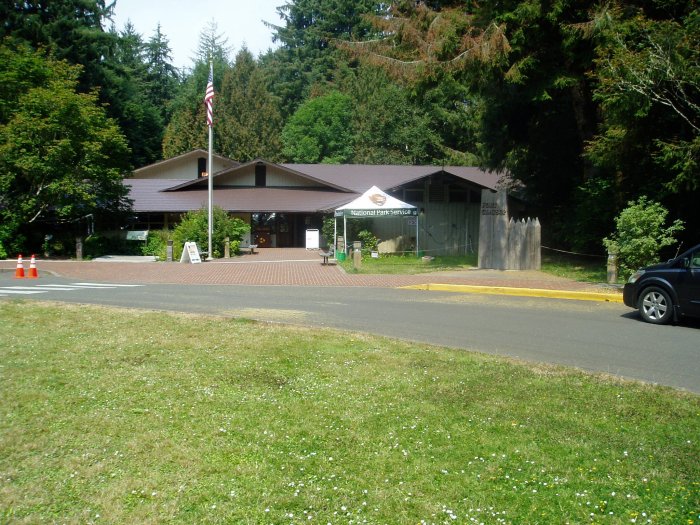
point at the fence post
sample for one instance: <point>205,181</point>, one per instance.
<point>227,248</point>
<point>537,250</point>
<point>612,268</point>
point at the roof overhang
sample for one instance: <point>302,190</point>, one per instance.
<point>204,182</point>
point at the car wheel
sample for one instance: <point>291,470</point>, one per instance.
<point>655,305</point>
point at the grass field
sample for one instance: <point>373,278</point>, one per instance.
<point>582,269</point>
<point>585,269</point>
<point>117,416</point>
<point>409,264</point>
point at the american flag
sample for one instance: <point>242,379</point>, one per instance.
<point>209,97</point>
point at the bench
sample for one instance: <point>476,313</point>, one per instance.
<point>326,256</point>
<point>248,248</point>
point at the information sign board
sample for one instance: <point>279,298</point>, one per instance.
<point>190,254</point>
<point>312,239</point>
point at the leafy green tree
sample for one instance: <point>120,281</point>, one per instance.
<point>61,157</point>
<point>194,227</point>
<point>640,234</point>
<point>649,93</point>
<point>112,63</point>
<point>249,119</point>
<point>319,131</point>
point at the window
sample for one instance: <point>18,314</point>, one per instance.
<point>201,167</point>
<point>695,260</point>
<point>459,194</point>
<point>413,195</point>
<point>260,175</point>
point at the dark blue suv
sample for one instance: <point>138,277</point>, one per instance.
<point>666,291</point>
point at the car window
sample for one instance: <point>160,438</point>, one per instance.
<point>695,259</point>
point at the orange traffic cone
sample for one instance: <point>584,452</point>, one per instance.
<point>33,274</point>
<point>19,272</point>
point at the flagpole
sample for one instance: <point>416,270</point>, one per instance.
<point>210,166</point>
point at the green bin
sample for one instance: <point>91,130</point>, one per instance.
<point>340,256</point>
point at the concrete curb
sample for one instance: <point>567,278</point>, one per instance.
<point>519,292</point>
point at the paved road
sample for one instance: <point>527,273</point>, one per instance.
<point>594,336</point>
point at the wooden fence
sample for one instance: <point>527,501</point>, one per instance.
<point>506,243</point>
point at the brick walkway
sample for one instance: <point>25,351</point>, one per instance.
<point>285,266</point>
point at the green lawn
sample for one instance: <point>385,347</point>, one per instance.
<point>585,269</point>
<point>409,264</point>
<point>122,416</point>
<point>593,270</point>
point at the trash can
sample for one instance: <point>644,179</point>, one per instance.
<point>340,256</point>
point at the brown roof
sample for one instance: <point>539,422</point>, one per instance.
<point>359,177</point>
<point>149,195</point>
<point>194,153</point>
<point>343,183</point>
<point>290,168</point>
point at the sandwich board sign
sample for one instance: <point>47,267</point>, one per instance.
<point>190,254</point>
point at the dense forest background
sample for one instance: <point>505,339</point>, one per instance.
<point>585,107</point>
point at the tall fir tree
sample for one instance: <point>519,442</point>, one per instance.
<point>187,128</point>
<point>250,121</point>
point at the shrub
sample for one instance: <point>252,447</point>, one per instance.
<point>641,234</point>
<point>157,244</point>
<point>97,245</point>
<point>369,242</point>
<point>328,230</point>
<point>194,228</point>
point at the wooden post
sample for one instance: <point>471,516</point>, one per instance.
<point>538,245</point>
<point>612,268</point>
<point>357,255</point>
<point>493,230</point>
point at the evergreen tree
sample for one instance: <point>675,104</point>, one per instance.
<point>162,77</point>
<point>72,30</point>
<point>187,128</point>
<point>249,120</point>
<point>387,127</point>
<point>543,75</point>
<point>112,63</point>
<point>306,60</point>
<point>127,87</point>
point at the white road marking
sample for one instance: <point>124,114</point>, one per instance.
<point>43,288</point>
<point>20,292</point>
<point>107,285</point>
<point>56,287</point>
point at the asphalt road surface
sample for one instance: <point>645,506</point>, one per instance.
<point>602,337</point>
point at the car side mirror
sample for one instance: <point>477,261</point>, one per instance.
<point>685,263</point>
